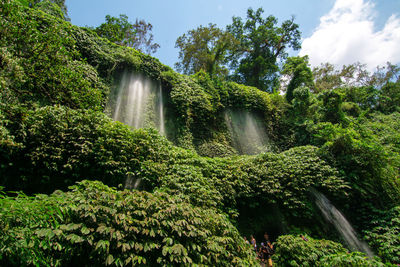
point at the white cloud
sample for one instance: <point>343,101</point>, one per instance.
<point>346,35</point>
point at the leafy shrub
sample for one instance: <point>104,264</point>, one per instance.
<point>384,237</point>
<point>189,183</point>
<point>216,149</point>
<point>47,67</point>
<point>354,259</point>
<point>294,251</point>
<point>50,8</point>
<point>61,146</point>
<point>358,153</point>
<point>97,225</point>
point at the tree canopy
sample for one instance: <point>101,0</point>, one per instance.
<point>136,35</point>
<point>262,47</point>
<point>205,48</point>
<point>299,73</point>
<point>253,49</point>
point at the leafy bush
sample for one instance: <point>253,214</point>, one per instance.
<point>61,146</point>
<point>189,183</point>
<point>96,225</point>
<point>294,251</point>
<point>216,148</point>
<point>384,237</point>
<point>354,259</point>
<point>46,66</point>
<point>357,152</point>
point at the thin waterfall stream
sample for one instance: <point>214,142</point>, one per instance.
<point>344,228</point>
<point>248,135</point>
<point>161,123</point>
<point>139,103</point>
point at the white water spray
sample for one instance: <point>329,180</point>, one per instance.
<point>136,105</point>
<point>161,123</point>
<point>248,135</point>
<point>334,216</point>
<point>132,183</point>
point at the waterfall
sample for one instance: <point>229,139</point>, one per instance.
<point>135,103</point>
<point>334,216</point>
<point>161,126</point>
<point>247,133</point>
<point>132,183</point>
<point>138,102</point>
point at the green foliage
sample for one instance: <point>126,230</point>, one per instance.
<point>384,236</point>
<point>298,71</point>
<point>386,128</point>
<point>250,98</point>
<point>205,48</point>
<point>262,46</point>
<point>294,251</point>
<point>188,182</point>
<point>332,107</point>
<point>365,97</point>
<point>327,77</point>
<point>302,100</point>
<point>60,4</point>
<point>389,98</point>
<point>366,163</point>
<point>41,62</point>
<point>62,146</point>
<point>56,77</point>
<point>120,31</point>
<point>50,8</point>
<point>97,225</point>
<point>288,176</point>
<point>216,148</point>
<point>354,259</point>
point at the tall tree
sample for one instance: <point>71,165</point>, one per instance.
<point>298,73</point>
<point>205,48</point>
<point>137,35</point>
<point>263,46</point>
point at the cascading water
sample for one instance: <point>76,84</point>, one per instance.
<point>248,135</point>
<point>132,183</point>
<point>136,105</point>
<point>334,216</point>
<point>161,123</point>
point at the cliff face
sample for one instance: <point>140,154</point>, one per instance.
<point>60,90</point>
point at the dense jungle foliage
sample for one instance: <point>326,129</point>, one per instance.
<point>78,188</point>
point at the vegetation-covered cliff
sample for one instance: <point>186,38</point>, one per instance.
<point>79,188</point>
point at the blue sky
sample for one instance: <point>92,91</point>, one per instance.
<point>338,31</point>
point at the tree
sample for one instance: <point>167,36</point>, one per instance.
<point>262,47</point>
<point>328,77</point>
<point>205,48</point>
<point>389,98</point>
<point>299,73</point>
<point>120,31</point>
